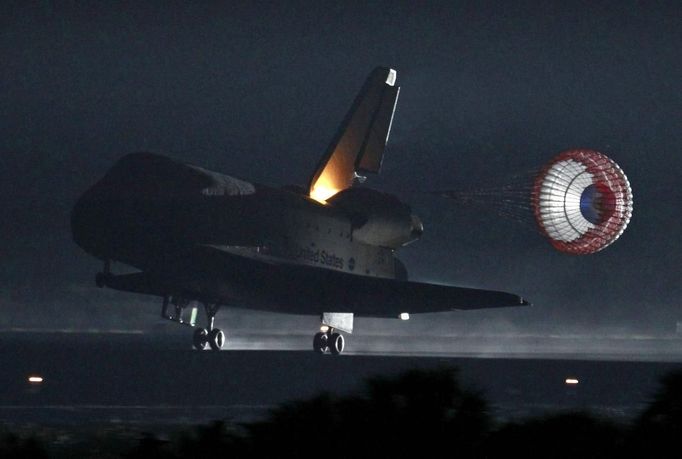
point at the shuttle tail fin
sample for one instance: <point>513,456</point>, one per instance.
<point>358,146</point>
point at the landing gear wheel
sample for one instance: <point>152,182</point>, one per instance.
<point>336,343</point>
<point>200,338</point>
<point>320,343</point>
<point>216,339</point>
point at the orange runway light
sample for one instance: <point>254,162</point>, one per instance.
<point>572,381</point>
<point>35,379</point>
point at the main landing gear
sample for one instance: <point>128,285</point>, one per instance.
<point>173,308</point>
<point>214,338</point>
<point>211,337</point>
<point>328,340</point>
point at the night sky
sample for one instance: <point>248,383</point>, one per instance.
<point>488,90</point>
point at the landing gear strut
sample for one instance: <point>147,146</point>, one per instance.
<point>102,277</point>
<point>203,337</point>
<point>214,337</point>
<point>327,340</point>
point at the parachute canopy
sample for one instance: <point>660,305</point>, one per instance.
<point>582,201</point>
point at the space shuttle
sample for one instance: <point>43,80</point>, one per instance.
<point>195,237</point>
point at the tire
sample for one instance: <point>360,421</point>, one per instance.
<point>200,339</point>
<point>337,344</point>
<point>216,339</point>
<point>320,343</point>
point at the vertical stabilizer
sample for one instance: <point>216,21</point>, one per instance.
<point>358,146</point>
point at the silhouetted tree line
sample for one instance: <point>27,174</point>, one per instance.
<point>417,414</point>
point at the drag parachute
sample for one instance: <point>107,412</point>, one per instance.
<point>582,201</point>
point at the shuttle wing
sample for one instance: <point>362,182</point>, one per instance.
<point>359,144</point>
<point>294,288</point>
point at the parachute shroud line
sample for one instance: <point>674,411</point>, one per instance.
<point>581,200</point>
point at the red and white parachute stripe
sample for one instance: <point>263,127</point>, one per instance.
<point>582,201</point>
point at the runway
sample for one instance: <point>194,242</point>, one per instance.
<point>155,379</point>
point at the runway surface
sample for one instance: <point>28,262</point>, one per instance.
<point>156,379</point>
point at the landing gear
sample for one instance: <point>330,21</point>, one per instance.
<point>200,339</point>
<point>210,337</point>
<point>216,339</point>
<point>337,343</point>
<point>102,277</point>
<point>327,340</point>
<point>320,343</point>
